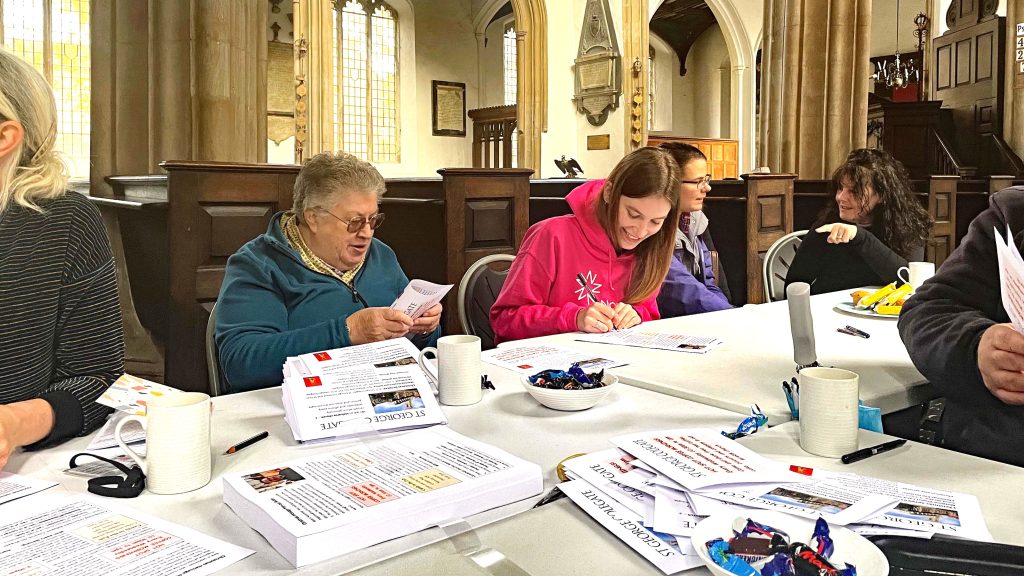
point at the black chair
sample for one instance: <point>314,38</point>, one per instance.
<point>212,358</point>
<point>478,290</point>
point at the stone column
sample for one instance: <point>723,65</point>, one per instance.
<point>818,54</point>
<point>230,37</point>
<point>170,82</point>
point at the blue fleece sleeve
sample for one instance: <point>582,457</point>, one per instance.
<point>253,339</point>
<point>682,294</point>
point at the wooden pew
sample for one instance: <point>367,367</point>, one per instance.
<point>175,250</point>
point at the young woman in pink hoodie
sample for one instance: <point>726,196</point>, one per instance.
<point>599,268</point>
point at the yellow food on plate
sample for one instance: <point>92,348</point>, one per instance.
<point>858,295</point>
<point>876,296</point>
<point>889,310</point>
<point>899,294</point>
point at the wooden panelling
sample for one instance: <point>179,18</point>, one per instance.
<point>486,212</point>
<point>721,154</point>
<point>943,78</point>
<point>769,217</point>
<point>963,62</point>
<point>985,62</point>
<point>942,209</point>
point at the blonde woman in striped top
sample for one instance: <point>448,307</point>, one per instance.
<point>61,342</point>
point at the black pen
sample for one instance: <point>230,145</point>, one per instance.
<point>858,332</point>
<point>249,442</point>
<point>869,452</point>
<point>555,494</point>
<point>586,286</point>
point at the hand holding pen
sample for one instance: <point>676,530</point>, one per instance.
<point>596,318</point>
<point>625,316</point>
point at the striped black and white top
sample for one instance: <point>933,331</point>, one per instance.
<point>60,323</point>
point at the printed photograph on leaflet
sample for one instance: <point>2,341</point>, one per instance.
<point>272,479</point>
<point>356,390</point>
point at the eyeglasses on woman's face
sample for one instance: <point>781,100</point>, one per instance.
<point>356,224</point>
<point>700,182</point>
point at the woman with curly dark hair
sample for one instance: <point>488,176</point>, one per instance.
<point>874,226</point>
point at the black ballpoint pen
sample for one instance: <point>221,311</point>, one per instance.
<point>869,452</point>
<point>858,332</point>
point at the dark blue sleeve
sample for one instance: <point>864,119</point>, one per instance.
<point>682,294</point>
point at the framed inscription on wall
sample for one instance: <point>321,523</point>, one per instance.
<point>449,108</point>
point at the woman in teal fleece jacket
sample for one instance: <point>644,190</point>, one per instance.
<point>316,280</point>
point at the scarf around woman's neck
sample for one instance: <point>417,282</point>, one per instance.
<point>290,227</point>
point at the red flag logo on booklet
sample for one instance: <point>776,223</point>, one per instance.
<point>311,381</point>
<point>322,356</point>
<point>802,470</point>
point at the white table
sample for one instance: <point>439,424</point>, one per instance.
<point>506,417</point>
<point>560,539</point>
<point>757,355</point>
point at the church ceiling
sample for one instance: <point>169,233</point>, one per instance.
<point>679,23</point>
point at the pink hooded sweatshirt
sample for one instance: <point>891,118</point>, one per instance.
<point>542,294</point>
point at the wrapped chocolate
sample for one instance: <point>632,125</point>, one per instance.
<point>572,379</point>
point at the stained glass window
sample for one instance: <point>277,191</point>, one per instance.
<point>53,36</point>
<point>366,122</point>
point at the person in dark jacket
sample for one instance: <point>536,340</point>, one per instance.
<point>691,286</point>
<point>958,335</point>
<point>874,226</point>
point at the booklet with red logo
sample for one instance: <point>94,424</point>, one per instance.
<point>358,390</point>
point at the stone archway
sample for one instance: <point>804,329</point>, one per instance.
<point>741,56</point>
<point>532,66</point>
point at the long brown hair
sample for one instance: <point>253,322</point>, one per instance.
<point>899,220</point>
<point>645,172</point>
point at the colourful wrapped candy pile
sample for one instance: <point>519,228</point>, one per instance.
<point>573,379</point>
<point>760,550</point>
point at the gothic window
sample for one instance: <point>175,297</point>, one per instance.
<point>509,61</point>
<point>53,36</point>
<point>366,80</point>
<point>511,80</point>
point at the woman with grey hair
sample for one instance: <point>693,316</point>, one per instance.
<point>316,280</point>
<point>61,341</point>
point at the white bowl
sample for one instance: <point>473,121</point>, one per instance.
<point>849,546</point>
<point>570,399</point>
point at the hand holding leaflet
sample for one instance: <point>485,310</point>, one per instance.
<point>419,296</point>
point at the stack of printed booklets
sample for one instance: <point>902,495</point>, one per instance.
<point>653,488</point>
<point>358,390</point>
<point>379,483</point>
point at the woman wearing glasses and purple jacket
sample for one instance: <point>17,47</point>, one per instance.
<point>316,280</point>
<point>691,286</point>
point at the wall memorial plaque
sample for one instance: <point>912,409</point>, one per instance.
<point>597,65</point>
<point>449,108</point>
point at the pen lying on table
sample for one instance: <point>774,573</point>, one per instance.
<point>869,452</point>
<point>247,442</point>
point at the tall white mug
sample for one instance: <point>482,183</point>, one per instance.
<point>458,369</point>
<point>916,273</point>
<point>828,411</point>
<point>177,442</point>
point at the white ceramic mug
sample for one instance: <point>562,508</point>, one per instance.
<point>178,455</point>
<point>828,411</point>
<point>458,372</point>
<point>916,273</point>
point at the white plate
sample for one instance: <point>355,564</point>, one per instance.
<point>848,308</point>
<point>849,546</point>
